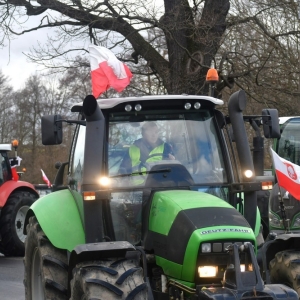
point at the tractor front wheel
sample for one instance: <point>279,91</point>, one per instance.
<point>111,279</point>
<point>285,269</point>
<point>46,267</point>
<point>12,223</point>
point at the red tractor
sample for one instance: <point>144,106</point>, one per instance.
<point>15,199</point>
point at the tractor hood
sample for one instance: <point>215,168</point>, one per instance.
<point>199,210</point>
<point>180,221</point>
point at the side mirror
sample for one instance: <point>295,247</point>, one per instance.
<point>271,123</point>
<point>52,130</point>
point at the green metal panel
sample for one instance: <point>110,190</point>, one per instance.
<point>258,217</point>
<point>169,267</point>
<point>258,222</point>
<point>167,204</point>
<point>59,218</point>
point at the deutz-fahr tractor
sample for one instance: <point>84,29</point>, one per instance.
<point>163,226</point>
<point>15,199</point>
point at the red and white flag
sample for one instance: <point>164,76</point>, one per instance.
<point>107,71</point>
<point>45,178</point>
<point>288,175</point>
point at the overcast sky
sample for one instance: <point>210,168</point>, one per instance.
<point>14,63</point>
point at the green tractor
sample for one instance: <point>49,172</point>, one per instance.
<point>169,224</point>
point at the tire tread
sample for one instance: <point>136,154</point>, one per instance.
<point>284,269</point>
<point>54,264</point>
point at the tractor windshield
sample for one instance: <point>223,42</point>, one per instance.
<point>289,142</point>
<point>173,149</point>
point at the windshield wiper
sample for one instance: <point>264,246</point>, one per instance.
<point>141,173</point>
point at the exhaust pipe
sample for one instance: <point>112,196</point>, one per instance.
<point>236,105</point>
<point>93,169</point>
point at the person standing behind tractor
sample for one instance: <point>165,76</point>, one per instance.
<point>149,148</point>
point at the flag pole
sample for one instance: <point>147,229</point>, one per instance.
<point>285,221</point>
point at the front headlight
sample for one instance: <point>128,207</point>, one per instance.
<point>104,181</point>
<point>274,220</point>
<point>296,222</point>
<point>208,271</point>
<point>206,248</point>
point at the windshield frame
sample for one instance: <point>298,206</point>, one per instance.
<point>291,125</point>
<point>222,147</point>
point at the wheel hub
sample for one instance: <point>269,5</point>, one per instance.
<point>19,222</point>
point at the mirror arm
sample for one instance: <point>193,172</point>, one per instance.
<point>80,122</point>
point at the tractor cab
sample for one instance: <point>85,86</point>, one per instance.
<point>176,146</point>
<point>5,171</point>
<point>153,144</point>
<point>151,184</point>
<point>8,164</point>
<point>287,147</point>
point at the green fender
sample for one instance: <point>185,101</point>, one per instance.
<point>60,215</point>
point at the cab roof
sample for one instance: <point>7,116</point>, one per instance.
<point>112,102</point>
<point>283,120</point>
<point>5,147</point>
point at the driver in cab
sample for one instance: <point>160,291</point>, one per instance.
<point>149,148</point>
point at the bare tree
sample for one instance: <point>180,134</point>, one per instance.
<point>7,111</point>
<point>260,52</point>
<point>37,98</point>
<point>189,32</point>
<point>170,44</point>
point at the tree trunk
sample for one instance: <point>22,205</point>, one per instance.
<point>192,42</point>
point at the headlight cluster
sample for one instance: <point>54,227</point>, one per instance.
<point>216,247</point>
<point>212,259</point>
<point>137,107</point>
<point>188,105</point>
<point>207,271</point>
<point>296,222</point>
<point>274,220</point>
<point>212,271</point>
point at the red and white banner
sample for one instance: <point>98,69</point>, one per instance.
<point>288,175</point>
<point>107,71</point>
<point>45,178</point>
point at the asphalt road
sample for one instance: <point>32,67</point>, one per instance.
<point>11,278</point>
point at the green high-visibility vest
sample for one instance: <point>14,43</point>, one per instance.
<point>135,156</point>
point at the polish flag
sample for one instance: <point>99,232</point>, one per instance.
<point>45,178</point>
<point>107,71</point>
<point>288,175</point>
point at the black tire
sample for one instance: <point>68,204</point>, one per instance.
<point>111,279</point>
<point>46,267</point>
<point>12,223</point>
<point>285,269</point>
